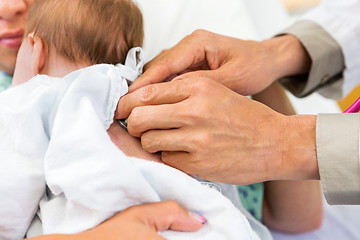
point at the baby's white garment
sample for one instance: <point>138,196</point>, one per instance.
<point>54,133</point>
<point>26,113</point>
<point>23,144</point>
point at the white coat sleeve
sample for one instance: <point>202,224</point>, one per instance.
<point>341,19</point>
<point>337,146</point>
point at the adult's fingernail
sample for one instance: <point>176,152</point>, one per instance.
<point>198,217</point>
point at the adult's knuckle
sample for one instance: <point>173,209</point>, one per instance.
<point>135,116</point>
<point>173,206</point>
<point>200,84</point>
<point>197,38</point>
<point>147,94</point>
<point>200,140</point>
<point>147,143</point>
<point>135,210</point>
<point>195,115</point>
<point>205,139</point>
<point>200,34</point>
<point>201,112</point>
<point>134,120</point>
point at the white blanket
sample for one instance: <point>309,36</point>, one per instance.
<point>53,136</point>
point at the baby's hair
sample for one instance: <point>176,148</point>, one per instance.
<point>99,31</point>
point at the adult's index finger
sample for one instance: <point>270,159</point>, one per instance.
<point>154,94</point>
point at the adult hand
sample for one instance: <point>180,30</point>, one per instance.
<point>206,129</point>
<point>139,222</point>
<point>246,67</point>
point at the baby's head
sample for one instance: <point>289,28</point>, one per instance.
<point>81,32</point>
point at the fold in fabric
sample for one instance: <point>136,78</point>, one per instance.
<point>57,155</point>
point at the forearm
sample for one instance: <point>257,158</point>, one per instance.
<point>293,206</point>
<point>297,148</point>
<point>289,56</point>
<point>275,97</point>
<point>297,135</point>
<point>284,207</point>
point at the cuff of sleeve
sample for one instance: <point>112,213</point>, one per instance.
<point>326,56</point>
<point>337,143</point>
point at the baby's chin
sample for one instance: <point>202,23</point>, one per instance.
<point>130,145</point>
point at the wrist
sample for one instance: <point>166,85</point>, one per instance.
<point>297,148</point>
<point>289,56</point>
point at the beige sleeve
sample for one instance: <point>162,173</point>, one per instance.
<point>327,65</point>
<point>337,144</point>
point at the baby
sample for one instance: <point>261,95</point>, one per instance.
<point>68,35</point>
<point>61,170</point>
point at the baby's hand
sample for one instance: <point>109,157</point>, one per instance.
<point>130,145</point>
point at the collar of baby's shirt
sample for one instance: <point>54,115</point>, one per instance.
<point>44,79</point>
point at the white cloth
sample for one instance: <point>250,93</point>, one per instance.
<point>342,20</point>
<point>54,132</point>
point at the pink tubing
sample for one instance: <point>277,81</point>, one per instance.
<point>354,108</point>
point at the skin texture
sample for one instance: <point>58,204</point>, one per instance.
<point>13,17</point>
<point>203,126</point>
<point>283,207</point>
<point>185,117</point>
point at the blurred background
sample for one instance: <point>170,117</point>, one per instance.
<point>296,7</point>
<point>167,22</point>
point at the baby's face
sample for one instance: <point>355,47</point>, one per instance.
<point>23,69</point>
<point>13,18</point>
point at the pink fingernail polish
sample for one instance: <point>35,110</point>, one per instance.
<point>198,217</point>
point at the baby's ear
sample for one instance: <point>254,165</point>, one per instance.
<point>38,53</point>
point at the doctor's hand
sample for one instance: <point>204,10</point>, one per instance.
<point>203,128</point>
<point>138,223</point>
<point>246,67</point>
